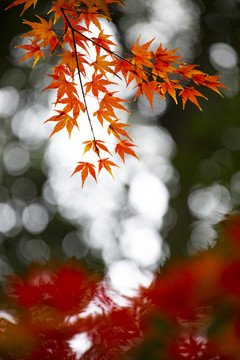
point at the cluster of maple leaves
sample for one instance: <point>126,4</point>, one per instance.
<point>191,311</point>
<point>68,31</point>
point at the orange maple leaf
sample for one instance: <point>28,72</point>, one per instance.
<point>42,32</point>
<point>63,86</point>
<point>91,15</point>
<point>110,101</point>
<point>188,71</point>
<point>190,94</point>
<point>79,39</point>
<point>101,4</point>
<point>28,3</point>
<point>33,51</point>
<point>72,104</point>
<point>67,5</point>
<point>141,55</point>
<point>103,41</point>
<point>148,88</point>
<point>58,70</point>
<point>125,67</point>
<point>69,60</point>
<point>103,66</point>
<point>103,114</point>
<point>85,168</point>
<point>105,163</point>
<point>64,120</point>
<point>209,81</point>
<point>125,147</point>
<point>116,128</point>
<point>164,60</point>
<point>170,87</point>
<point>95,145</point>
<point>97,84</point>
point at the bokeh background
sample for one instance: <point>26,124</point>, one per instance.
<point>165,206</point>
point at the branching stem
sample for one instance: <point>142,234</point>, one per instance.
<point>81,83</point>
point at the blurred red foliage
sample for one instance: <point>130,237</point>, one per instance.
<point>191,311</point>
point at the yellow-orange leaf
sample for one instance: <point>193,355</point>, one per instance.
<point>63,120</point>
<point>116,128</point>
<point>97,84</point>
<point>209,81</point>
<point>141,55</point>
<point>28,3</point>
<point>95,145</point>
<point>63,86</point>
<point>103,66</point>
<point>103,42</point>
<point>69,59</point>
<point>165,59</point>
<point>125,147</point>
<point>110,101</point>
<point>170,87</point>
<point>106,164</point>
<point>86,168</point>
<point>188,71</point>
<point>190,94</point>
<point>33,51</point>
<point>42,32</point>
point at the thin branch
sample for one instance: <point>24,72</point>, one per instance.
<point>110,51</point>
<point>80,81</point>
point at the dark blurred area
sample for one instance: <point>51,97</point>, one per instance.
<point>206,161</point>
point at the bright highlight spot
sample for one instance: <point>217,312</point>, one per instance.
<point>126,277</point>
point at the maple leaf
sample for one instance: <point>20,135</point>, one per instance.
<point>69,60</point>
<point>103,66</point>
<point>85,168</point>
<point>188,71</point>
<point>95,145</point>
<point>79,39</point>
<point>164,60</point>
<point>63,120</point>
<point>58,70</point>
<point>190,94</point>
<point>97,84</point>
<point>116,128</point>
<point>129,71</point>
<point>105,163</point>
<point>72,104</point>
<point>42,32</point>
<point>148,88</point>
<point>91,16</point>
<point>103,41</point>
<point>33,51</point>
<point>63,86</point>
<point>28,3</point>
<point>58,7</point>
<point>125,147</point>
<point>110,101</point>
<point>103,114</point>
<point>170,87</point>
<point>141,55</point>
<point>102,5</point>
<point>209,81</point>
